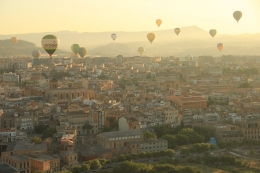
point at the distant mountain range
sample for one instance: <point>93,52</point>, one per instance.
<point>192,40</point>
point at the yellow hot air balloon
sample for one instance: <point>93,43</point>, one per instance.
<point>141,50</point>
<point>158,22</point>
<point>177,30</point>
<point>14,40</point>
<point>213,32</point>
<point>150,37</point>
<point>237,15</point>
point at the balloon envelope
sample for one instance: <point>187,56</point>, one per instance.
<point>141,50</point>
<point>82,52</point>
<point>158,22</point>
<point>237,15</point>
<point>150,37</point>
<point>213,32</point>
<point>75,48</point>
<point>177,30</point>
<point>113,36</point>
<point>36,53</point>
<point>220,46</point>
<point>50,43</point>
<point>14,40</point>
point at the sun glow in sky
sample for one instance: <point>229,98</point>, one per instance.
<point>31,16</point>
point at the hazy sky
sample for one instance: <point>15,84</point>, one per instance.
<point>27,16</point>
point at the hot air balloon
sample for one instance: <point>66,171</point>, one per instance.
<point>113,36</point>
<point>158,22</point>
<point>237,15</point>
<point>14,40</point>
<point>177,30</point>
<point>75,48</point>
<point>50,43</point>
<point>220,46</point>
<point>36,53</point>
<point>213,32</point>
<point>150,37</point>
<point>141,50</point>
<point>82,52</point>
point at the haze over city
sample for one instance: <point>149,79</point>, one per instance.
<point>148,86</point>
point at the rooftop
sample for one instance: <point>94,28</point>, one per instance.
<point>5,168</point>
<point>121,133</point>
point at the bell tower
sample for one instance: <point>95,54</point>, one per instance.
<point>53,84</point>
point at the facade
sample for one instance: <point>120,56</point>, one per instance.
<point>69,159</point>
<point>47,164</point>
<point>119,139</point>
<point>10,77</point>
<point>215,72</point>
<point>151,145</point>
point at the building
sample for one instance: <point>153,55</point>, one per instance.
<point>119,139</point>
<point>45,163</point>
<point>69,159</point>
<point>10,77</point>
<point>190,102</point>
<point>19,162</point>
<point>215,72</point>
<point>5,168</point>
<point>151,145</point>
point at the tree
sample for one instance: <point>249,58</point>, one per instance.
<point>87,126</point>
<point>39,171</point>
<point>85,167</point>
<point>39,129</point>
<point>171,141</point>
<point>182,139</point>
<point>148,135</point>
<point>76,169</point>
<point>193,136</point>
<point>185,151</point>
<point>49,132</point>
<point>95,164</point>
<point>36,140</point>
<point>244,85</point>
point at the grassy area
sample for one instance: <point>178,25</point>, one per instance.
<point>206,169</point>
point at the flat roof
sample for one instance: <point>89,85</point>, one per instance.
<point>121,133</point>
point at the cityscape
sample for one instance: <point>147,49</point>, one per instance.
<point>172,99</point>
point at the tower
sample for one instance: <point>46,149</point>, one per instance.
<point>53,84</point>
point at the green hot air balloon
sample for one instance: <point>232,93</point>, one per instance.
<point>75,48</point>
<point>50,43</point>
<point>36,53</point>
<point>82,52</point>
<point>237,15</point>
<point>213,32</point>
<point>141,50</point>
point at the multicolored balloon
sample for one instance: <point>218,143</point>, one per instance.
<point>82,52</point>
<point>177,30</point>
<point>150,37</point>
<point>14,40</point>
<point>141,50</point>
<point>237,15</point>
<point>50,43</point>
<point>159,22</point>
<point>75,48</point>
<point>213,32</point>
<point>36,53</point>
<point>113,36</point>
<point>220,46</point>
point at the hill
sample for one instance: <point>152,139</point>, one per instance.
<point>21,48</point>
<point>191,40</point>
